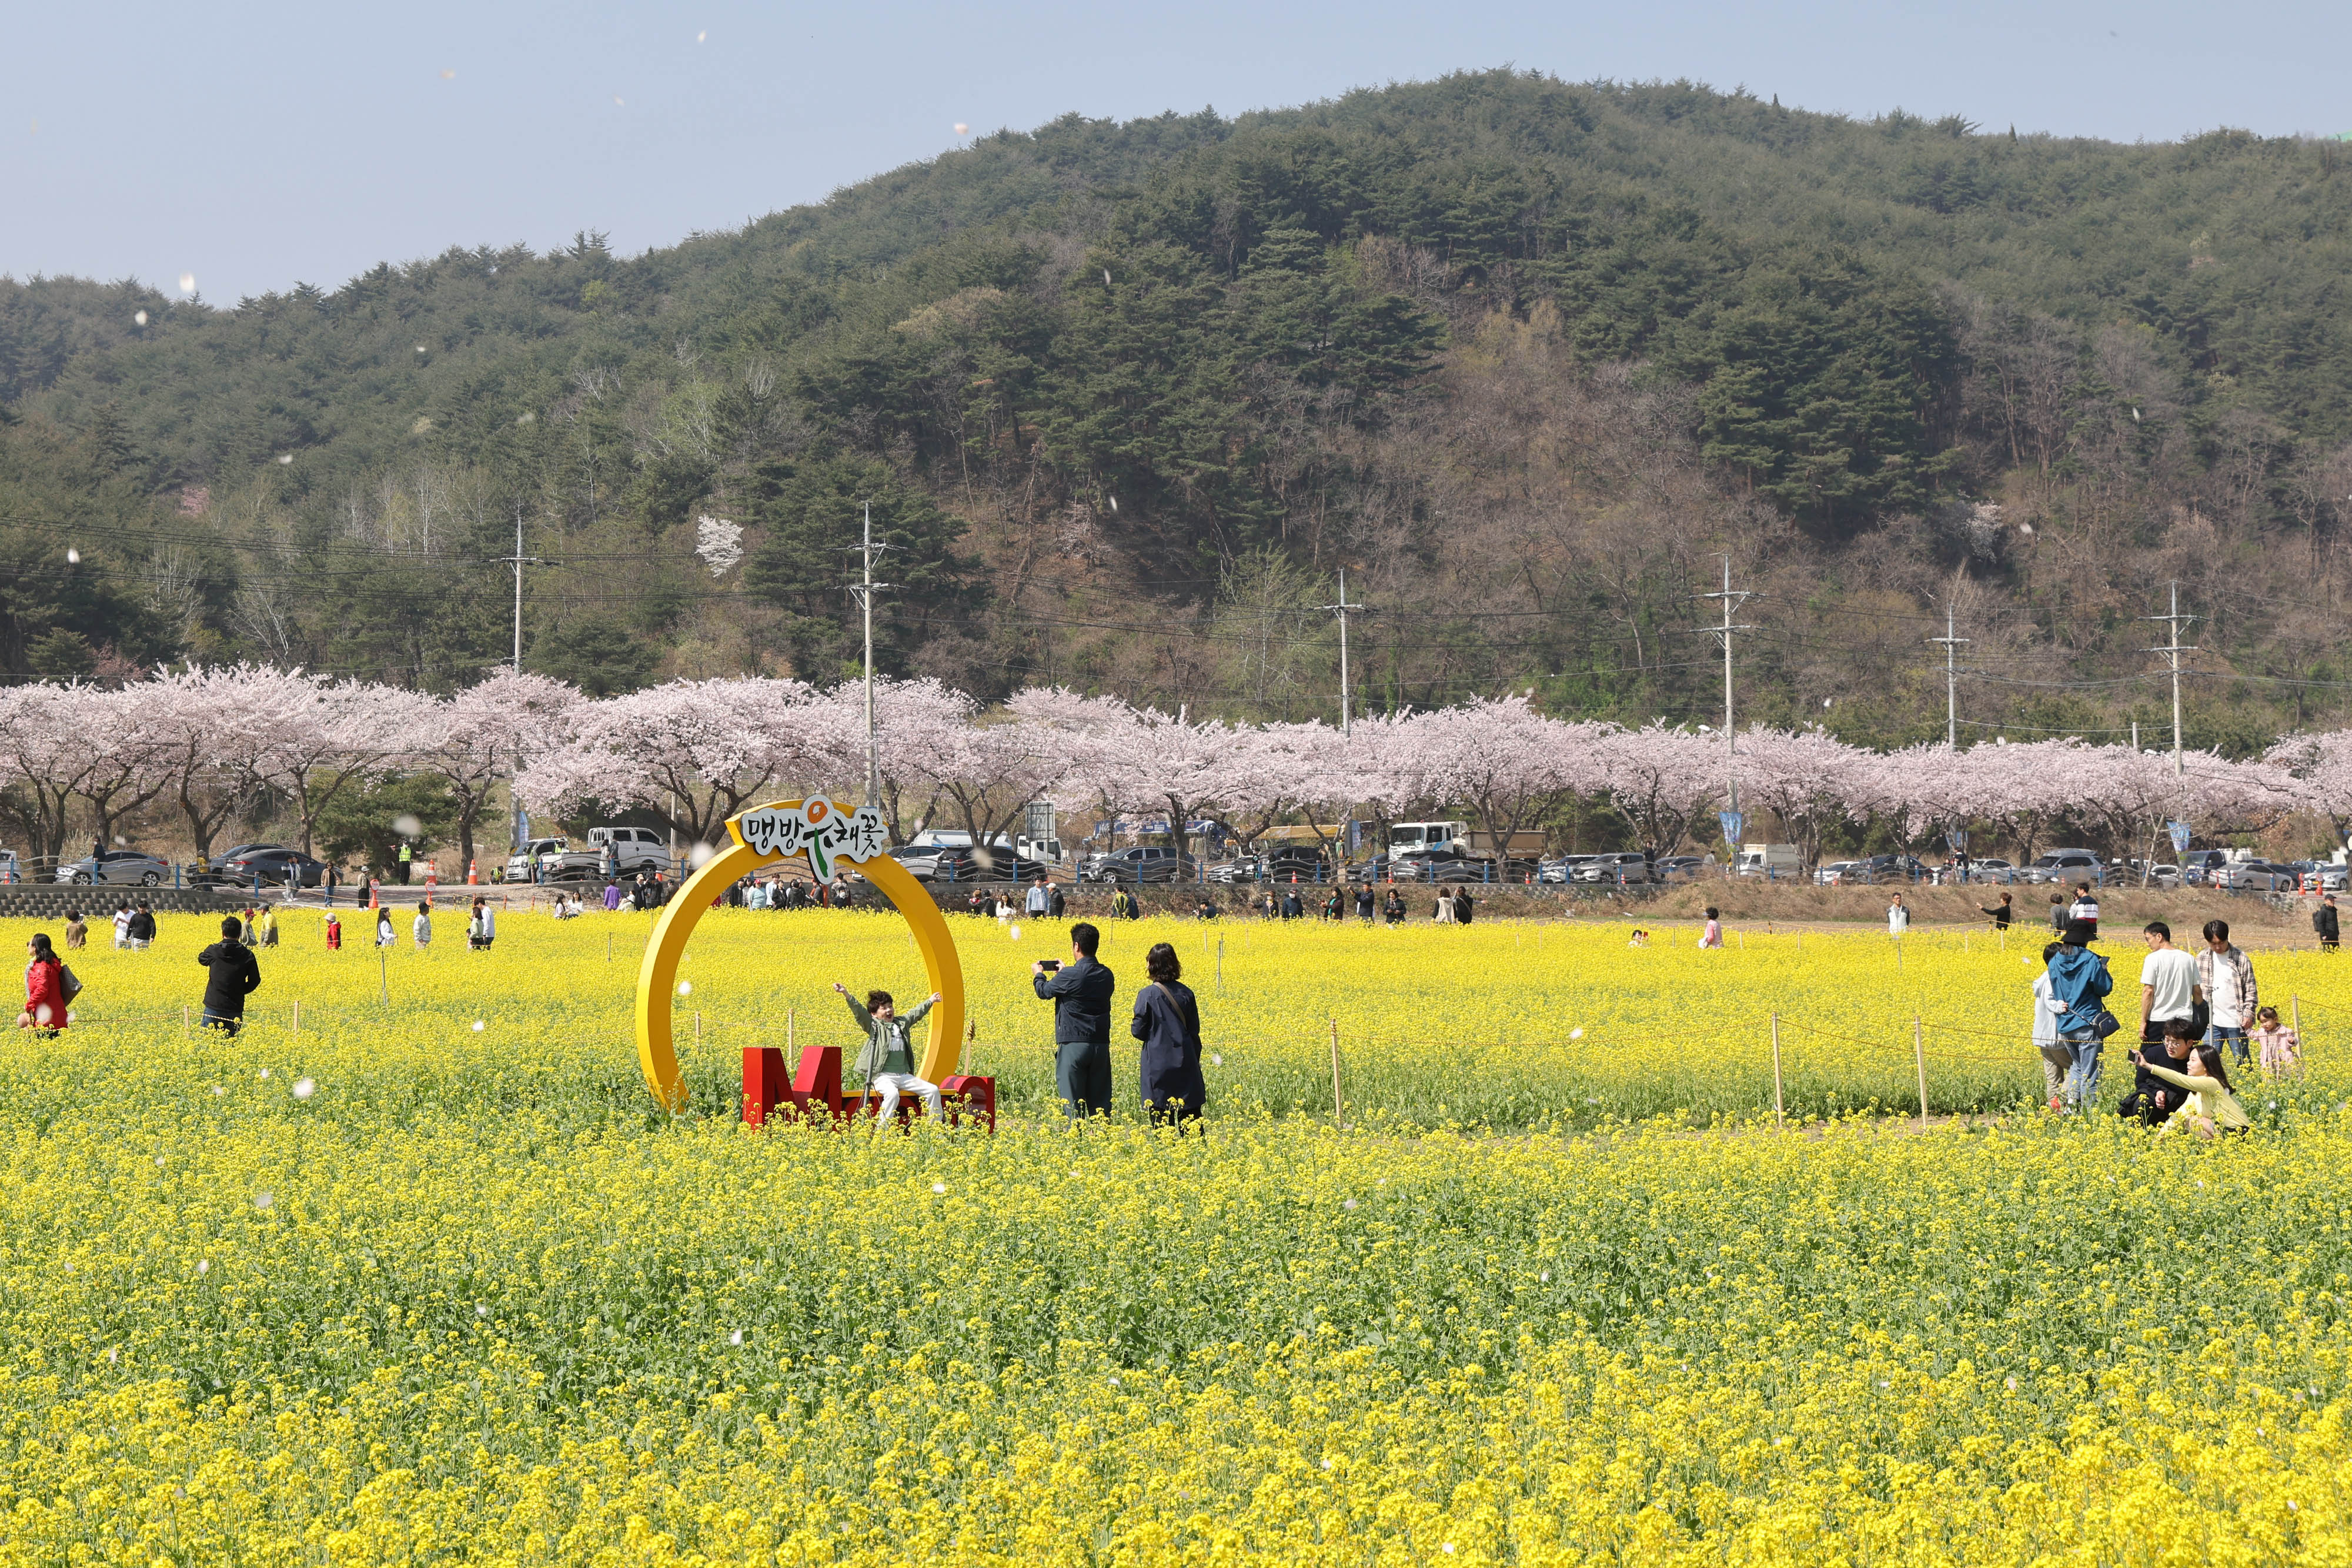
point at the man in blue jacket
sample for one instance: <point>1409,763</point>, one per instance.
<point>2079,984</point>
<point>1080,991</point>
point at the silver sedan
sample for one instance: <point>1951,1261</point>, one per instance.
<point>118,868</point>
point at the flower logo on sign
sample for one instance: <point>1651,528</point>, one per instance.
<point>818,829</point>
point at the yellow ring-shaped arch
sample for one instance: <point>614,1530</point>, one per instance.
<point>657,974</point>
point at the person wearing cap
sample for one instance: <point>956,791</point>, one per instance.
<point>2079,984</point>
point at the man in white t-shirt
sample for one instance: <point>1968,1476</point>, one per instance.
<point>2168,985</point>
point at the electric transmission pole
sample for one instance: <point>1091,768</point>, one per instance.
<point>1341,610</point>
<point>2172,650</point>
<point>518,560</point>
<point>1951,682</point>
<point>1732,600</point>
<point>865,589</point>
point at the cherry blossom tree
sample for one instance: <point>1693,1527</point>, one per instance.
<point>319,735</point>
<point>2321,767</point>
<point>119,775</point>
<point>1805,778</point>
<point>1660,778</point>
<point>1509,764</point>
<point>49,744</point>
<point>992,767</point>
<point>1142,758</point>
<point>692,753</point>
<point>486,734</point>
<point>212,728</point>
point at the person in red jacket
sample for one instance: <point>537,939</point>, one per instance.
<point>45,988</point>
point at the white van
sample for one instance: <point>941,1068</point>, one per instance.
<point>1773,861</point>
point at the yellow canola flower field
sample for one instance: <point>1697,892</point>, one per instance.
<point>387,1287</point>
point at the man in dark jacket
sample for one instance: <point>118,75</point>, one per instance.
<point>235,974</point>
<point>2323,922</point>
<point>1080,991</point>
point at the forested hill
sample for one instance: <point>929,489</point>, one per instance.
<point>1520,355</point>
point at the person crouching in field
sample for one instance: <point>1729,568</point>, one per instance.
<point>2209,1106</point>
<point>887,1062</point>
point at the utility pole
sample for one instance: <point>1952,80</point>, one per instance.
<point>865,589</point>
<point>518,560</point>
<point>1951,682</point>
<point>1341,610</point>
<point>2172,650</point>
<point>1732,600</point>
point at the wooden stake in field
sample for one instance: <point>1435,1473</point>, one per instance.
<point>1221,966</point>
<point>297,1016</point>
<point>1919,1054</point>
<point>1779,1117</point>
<point>2295,1021</point>
<point>1339,1106</point>
<point>183,1021</point>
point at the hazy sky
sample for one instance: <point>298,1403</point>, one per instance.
<point>269,143</point>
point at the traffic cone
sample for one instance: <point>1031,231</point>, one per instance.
<point>432,871</point>
<point>375,891</point>
<point>473,875</point>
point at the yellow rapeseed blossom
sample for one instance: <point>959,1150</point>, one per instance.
<point>1552,1297</point>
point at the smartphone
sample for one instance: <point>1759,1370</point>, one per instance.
<point>1050,965</point>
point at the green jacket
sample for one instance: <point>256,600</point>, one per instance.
<point>887,1046</point>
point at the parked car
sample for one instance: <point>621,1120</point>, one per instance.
<point>2256,877</point>
<point>1778,861</point>
<point>2331,877</point>
<point>1838,872</point>
<point>117,868</point>
<point>553,860</point>
<point>636,849</point>
<point>920,861</point>
<point>961,863</point>
<point>273,868</point>
<point>1145,863</point>
<point>1561,868</point>
<point>1627,869</point>
<point>2067,865</point>
<point>2198,866</point>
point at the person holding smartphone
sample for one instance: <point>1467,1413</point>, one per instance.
<point>1081,992</point>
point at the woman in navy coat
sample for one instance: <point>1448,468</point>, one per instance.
<point>1168,1022</point>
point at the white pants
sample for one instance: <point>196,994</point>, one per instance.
<point>894,1084</point>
